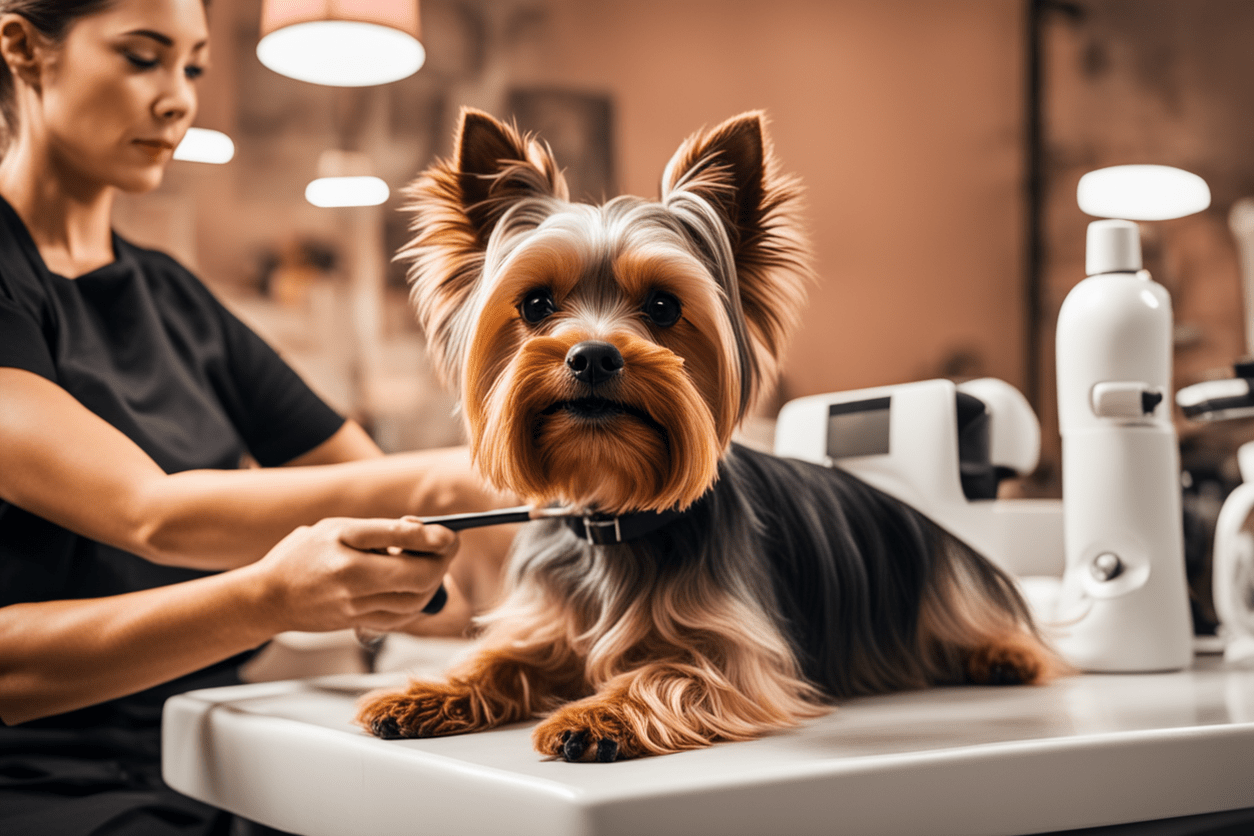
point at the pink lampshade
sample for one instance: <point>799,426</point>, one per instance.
<point>398,14</point>
<point>349,43</point>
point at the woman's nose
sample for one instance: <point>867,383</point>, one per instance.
<point>177,101</point>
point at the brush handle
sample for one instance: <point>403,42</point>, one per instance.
<point>454,522</point>
<point>479,519</point>
<point>460,522</point>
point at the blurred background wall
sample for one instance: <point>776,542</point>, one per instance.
<point>906,119</point>
<point>1169,82</point>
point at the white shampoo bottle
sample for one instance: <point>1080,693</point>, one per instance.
<point>1124,599</point>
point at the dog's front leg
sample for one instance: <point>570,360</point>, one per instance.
<point>599,728</point>
<point>663,708</point>
<point>498,686</point>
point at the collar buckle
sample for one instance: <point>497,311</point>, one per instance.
<point>597,531</point>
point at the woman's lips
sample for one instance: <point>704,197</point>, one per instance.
<point>155,147</point>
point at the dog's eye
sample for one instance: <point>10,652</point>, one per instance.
<point>663,308</point>
<point>536,305</point>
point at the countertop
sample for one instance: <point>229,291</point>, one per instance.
<point>1084,751</point>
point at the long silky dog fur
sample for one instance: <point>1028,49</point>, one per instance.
<point>783,586</point>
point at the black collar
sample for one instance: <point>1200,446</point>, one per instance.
<point>606,530</point>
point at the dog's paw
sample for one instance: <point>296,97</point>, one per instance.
<point>587,732</point>
<point>1012,663</point>
<point>424,710</point>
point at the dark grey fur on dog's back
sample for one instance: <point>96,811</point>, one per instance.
<point>842,568</point>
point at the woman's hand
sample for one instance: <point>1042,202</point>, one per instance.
<point>56,656</point>
<point>448,483</point>
<point>370,574</point>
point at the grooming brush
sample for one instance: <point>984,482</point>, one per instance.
<point>459,522</point>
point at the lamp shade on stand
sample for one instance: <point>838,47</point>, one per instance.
<point>341,43</point>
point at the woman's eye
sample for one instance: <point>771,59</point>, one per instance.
<point>537,305</point>
<point>663,309</point>
<point>139,62</point>
<point>193,72</point>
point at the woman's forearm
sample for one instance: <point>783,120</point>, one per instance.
<point>63,463</point>
<point>57,656</point>
<point>222,519</point>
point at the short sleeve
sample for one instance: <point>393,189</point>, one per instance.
<point>277,414</point>
<point>22,342</point>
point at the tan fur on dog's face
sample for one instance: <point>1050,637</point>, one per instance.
<point>494,226</point>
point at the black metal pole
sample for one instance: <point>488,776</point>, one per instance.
<point>1036,16</point>
<point>1034,245</point>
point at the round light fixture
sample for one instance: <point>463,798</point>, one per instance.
<point>341,53</point>
<point>1142,193</point>
<point>361,190</point>
<point>201,145</point>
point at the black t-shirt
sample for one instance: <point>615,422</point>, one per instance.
<point>144,345</point>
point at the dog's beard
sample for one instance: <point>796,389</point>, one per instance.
<point>646,441</point>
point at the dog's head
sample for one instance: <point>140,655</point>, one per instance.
<point>605,354</point>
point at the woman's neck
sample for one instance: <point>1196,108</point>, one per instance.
<point>70,223</point>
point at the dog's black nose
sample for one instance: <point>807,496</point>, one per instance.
<point>593,361</point>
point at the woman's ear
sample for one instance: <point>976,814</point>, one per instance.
<point>20,48</point>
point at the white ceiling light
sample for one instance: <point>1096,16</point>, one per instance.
<point>347,191</point>
<point>201,145</point>
<point>1142,193</point>
<point>341,43</point>
<point>345,178</point>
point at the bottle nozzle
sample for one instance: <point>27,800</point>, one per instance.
<point>1113,246</point>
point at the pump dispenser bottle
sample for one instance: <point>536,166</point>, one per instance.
<point>1124,601</point>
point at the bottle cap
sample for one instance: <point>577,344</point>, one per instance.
<point>1114,246</point>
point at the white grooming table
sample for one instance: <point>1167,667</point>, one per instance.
<point>1085,751</point>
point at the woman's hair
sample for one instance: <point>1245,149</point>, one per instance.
<point>52,19</point>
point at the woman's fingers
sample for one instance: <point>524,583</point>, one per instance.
<point>393,611</point>
<point>356,572</point>
<point>403,572</point>
<point>407,534</point>
<point>412,557</point>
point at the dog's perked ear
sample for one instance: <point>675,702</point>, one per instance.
<point>455,205</point>
<point>724,184</point>
<point>497,166</point>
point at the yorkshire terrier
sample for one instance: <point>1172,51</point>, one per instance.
<point>604,355</point>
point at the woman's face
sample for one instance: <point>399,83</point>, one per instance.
<point>118,94</point>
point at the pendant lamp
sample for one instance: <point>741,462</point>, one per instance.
<point>341,43</point>
<point>345,179</point>
<point>201,145</point>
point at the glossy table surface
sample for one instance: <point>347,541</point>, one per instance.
<point>1081,752</point>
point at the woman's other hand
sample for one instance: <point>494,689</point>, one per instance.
<point>446,482</point>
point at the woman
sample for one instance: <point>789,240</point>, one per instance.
<point>128,397</point>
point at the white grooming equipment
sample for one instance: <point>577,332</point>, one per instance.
<point>905,441</point>
<point>1232,564</point>
<point>1124,600</point>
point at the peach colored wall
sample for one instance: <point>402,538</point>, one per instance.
<point>903,119</point>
